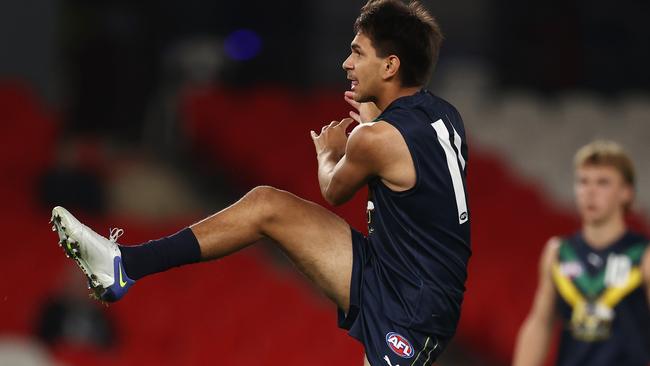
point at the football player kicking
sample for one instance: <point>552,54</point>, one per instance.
<point>399,290</point>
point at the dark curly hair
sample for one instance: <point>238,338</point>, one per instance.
<point>407,31</point>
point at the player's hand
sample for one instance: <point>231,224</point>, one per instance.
<point>363,112</point>
<point>332,139</point>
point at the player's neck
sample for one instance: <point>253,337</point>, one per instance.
<point>394,93</point>
<point>602,235</point>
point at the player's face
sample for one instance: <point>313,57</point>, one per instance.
<point>601,193</point>
<point>363,69</point>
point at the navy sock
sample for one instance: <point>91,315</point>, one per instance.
<point>160,255</point>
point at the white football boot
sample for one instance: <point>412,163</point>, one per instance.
<point>99,258</point>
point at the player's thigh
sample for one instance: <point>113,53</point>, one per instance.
<point>317,241</point>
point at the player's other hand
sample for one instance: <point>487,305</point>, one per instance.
<point>363,112</point>
<point>332,139</point>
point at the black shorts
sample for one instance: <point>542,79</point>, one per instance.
<point>385,341</point>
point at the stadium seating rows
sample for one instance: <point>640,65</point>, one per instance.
<point>243,310</point>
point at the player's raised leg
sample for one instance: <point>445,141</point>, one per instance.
<point>317,241</point>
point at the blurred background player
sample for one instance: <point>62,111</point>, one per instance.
<point>597,281</point>
<point>399,290</point>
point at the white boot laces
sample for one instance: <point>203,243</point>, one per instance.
<point>115,234</point>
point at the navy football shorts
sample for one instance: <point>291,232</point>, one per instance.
<point>385,342</point>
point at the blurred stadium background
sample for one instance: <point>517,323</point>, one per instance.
<point>148,115</point>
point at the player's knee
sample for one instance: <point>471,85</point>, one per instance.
<point>262,193</point>
<point>267,199</point>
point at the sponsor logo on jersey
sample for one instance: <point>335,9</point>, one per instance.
<point>571,269</point>
<point>399,345</point>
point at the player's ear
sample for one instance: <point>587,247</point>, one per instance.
<point>390,67</point>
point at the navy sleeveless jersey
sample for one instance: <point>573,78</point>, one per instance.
<point>602,302</point>
<point>421,237</point>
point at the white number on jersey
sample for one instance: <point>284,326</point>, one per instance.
<point>453,160</point>
<point>618,270</point>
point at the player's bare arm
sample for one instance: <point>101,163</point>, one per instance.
<point>535,334</point>
<point>347,163</point>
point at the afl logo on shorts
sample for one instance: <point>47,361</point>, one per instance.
<point>399,345</point>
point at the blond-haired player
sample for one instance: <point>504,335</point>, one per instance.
<point>597,281</point>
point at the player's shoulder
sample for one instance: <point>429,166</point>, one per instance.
<point>645,264</point>
<point>550,252</point>
<point>441,102</point>
<point>554,243</point>
<point>372,135</point>
<point>376,141</point>
<point>443,106</point>
<point>642,240</point>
